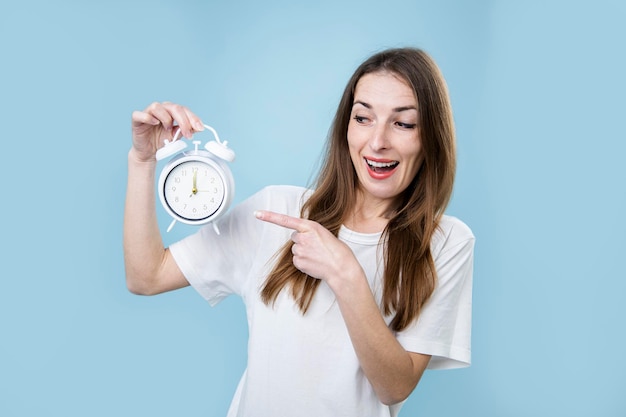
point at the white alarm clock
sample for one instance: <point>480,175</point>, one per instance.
<point>196,187</point>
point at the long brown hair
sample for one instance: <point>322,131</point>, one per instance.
<point>409,273</point>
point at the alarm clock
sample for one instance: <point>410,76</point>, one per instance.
<point>196,187</point>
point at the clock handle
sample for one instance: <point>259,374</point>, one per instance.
<point>217,138</point>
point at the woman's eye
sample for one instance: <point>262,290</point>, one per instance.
<point>406,125</point>
<point>360,119</point>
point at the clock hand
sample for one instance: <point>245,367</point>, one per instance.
<point>194,189</point>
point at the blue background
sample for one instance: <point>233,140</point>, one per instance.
<point>538,93</point>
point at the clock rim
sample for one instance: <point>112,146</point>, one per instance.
<point>223,172</point>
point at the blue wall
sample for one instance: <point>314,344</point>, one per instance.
<point>538,92</point>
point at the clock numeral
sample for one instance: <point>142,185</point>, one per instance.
<point>177,180</point>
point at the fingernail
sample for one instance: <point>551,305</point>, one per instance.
<point>257,214</point>
<point>198,126</point>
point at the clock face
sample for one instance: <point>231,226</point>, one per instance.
<point>194,190</point>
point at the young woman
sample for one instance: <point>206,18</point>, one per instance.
<point>352,289</point>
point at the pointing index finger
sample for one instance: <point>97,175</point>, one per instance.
<point>293,223</point>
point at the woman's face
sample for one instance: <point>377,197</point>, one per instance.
<point>384,137</point>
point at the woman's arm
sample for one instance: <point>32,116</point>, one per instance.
<point>150,268</point>
<point>392,371</point>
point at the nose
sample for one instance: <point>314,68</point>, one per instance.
<point>380,138</point>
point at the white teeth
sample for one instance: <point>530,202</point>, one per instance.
<point>381,164</point>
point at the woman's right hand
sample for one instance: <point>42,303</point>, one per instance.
<point>160,121</point>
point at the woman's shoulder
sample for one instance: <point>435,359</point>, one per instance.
<point>451,232</point>
<point>284,192</point>
<point>452,224</point>
<point>282,198</point>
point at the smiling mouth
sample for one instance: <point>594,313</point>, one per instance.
<point>380,167</point>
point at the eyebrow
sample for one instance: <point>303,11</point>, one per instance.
<point>395,110</point>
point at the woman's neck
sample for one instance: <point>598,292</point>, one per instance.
<point>368,216</point>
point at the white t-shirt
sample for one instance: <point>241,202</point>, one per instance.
<point>305,365</point>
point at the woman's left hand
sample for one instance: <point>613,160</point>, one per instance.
<point>316,251</point>
<point>392,371</point>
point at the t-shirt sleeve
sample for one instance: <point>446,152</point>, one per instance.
<point>443,328</point>
<point>218,265</point>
